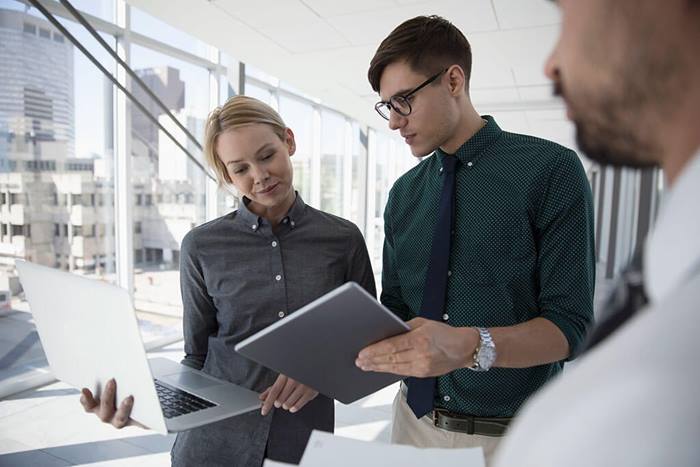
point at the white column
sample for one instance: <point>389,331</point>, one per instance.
<point>346,208</point>
<point>316,159</point>
<point>211,195</point>
<point>123,189</point>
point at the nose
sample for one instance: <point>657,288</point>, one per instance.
<point>551,65</point>
<point>260,174</point>
<point>396,120</point>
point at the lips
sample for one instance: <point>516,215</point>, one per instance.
<point>269,189</point>
<point>408,138</point>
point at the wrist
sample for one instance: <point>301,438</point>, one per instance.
<point>470,345</point>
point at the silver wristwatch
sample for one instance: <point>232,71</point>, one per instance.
<point>485,353</point>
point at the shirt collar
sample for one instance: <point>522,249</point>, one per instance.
<point>672,251</point>
<point>474,147</point>
<point>253,221</point>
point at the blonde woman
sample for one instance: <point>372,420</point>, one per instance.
<point>244,271</point>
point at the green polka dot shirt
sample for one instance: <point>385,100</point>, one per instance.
<point>522,248</point>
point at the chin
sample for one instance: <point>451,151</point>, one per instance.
<point>614,147</point>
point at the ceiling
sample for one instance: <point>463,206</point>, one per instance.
<point>323,47</point>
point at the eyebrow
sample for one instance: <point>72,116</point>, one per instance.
<point>261,149</point>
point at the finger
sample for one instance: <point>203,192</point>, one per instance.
<point>89,403</point>
<point>403,369</point>
<point>415,323</point>
<point>263,395</point>
<point>272,396</point>
<point>308,396</point>
<point>107,403</point>
<point>121,418</point>
<point>407,356</point>
<point>289,388</point>
<point>387,346</point>
<point>295,396</point>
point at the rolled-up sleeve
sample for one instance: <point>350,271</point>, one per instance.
<point>565,241</point>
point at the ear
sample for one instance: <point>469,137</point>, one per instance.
<point>456,80</point>
<point>291,144</point>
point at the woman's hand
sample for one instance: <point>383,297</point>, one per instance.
<point>105,407</point>
<point>287,394</point>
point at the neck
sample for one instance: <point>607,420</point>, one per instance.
<point>469,124</point>
<point>274,214</point>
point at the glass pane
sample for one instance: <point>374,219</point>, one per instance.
<point>332,157</point>
<point>358,190</point>
<point>145,24</point>
<point>299,117</point>
<point>103,9</point>
<point>168,188</point>
<point>56,160</point>
<point>259,93</point>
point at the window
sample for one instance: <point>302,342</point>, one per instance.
<point>57,230</point>
<point>77,230</point>
<point>45,33</point>
<point>29,28</point>
<point>58,38</point>
<point>137,227</point>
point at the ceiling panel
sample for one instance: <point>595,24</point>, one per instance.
<point>325,8</point>
<point>265,14</point>
<point>316,35</point>
<point>525,13</point>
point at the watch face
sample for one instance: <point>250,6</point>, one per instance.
<point>487,355</point>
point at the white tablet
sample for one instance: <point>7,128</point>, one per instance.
<point>318,344</point>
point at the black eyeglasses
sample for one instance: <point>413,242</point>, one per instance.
<point>400,103</point>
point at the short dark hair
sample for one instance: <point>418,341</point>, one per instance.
<point>427,43</point>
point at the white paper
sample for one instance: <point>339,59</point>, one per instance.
<point>269,463</point>
<point>325,450</point>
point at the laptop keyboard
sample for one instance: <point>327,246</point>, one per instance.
<point>176,402</point>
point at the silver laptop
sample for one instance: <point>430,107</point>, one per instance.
<point>90,334</point>
<point>321,342</point>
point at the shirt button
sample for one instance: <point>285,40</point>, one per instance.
<point>449,273</point>
<point>278,277</point>
<point>274,244</point>
<point>254,226</point>
<point>440,169</point>
<point>281,314</point>
<point>446,398</point>
<point>469,164</point>
<point>445,317</point>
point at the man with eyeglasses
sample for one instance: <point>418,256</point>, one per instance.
<point>488,254</point>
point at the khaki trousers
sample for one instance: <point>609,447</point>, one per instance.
<point>406,429</point>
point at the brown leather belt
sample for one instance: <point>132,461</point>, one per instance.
<point>485,426</point>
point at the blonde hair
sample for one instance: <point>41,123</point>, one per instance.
<point>237,112</point>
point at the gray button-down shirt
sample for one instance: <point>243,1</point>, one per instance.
<point>238,276</point>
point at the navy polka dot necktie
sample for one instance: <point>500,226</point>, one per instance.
<point>421,391</point>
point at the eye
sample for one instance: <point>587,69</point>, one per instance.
<point>239,170</point>
<point>268,156</point>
